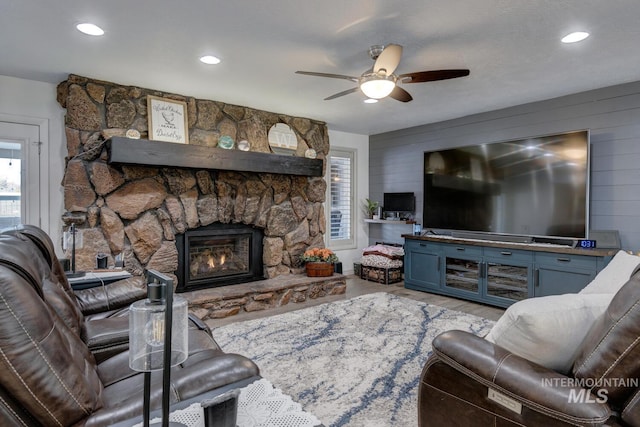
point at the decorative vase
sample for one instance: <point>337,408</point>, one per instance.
<point>319,269</point>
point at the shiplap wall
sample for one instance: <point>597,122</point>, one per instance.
<point>611,114</point>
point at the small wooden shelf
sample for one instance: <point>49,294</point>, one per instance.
<point>159,153</point>
<point>388,221</point>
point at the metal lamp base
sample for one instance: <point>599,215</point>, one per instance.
<point>72,274</point>
<point>171,424</point>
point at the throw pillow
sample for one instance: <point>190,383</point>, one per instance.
<point>549,330</point>
<point>614,275</point>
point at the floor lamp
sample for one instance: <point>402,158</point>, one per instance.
<point>158,338</point>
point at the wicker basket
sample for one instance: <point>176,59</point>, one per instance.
<point>386,276</point>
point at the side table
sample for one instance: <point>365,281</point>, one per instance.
<point>95,278</point>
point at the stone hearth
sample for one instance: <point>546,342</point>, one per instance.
<point>216,303</point>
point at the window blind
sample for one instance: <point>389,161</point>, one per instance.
<point>341,195</point>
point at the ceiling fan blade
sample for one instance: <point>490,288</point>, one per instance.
<point>333,76</point>
<point>343,93</point>
<point>388,59</point>
<point>400,94</point>
<point>430,76</point>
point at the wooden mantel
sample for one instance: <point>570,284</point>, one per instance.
<point>158,153</point>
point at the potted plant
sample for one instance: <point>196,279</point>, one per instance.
<point>319,262</point>
<point>370,207</point>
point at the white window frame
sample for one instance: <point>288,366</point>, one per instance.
<point>350,242</point>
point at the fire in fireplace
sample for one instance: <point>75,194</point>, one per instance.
<point>219,255</point>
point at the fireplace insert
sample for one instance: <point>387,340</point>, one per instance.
<point>219,255</point>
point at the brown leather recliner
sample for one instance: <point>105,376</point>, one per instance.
<point>49,375</point>
<point>469,381</point>
<point>94,303</point>
<point>99,315</point>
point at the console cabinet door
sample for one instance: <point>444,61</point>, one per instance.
<point>557,274</point>
<point>463,271</point>
<point>422,265</point>
<point>508,275</point>
<point>506,283</point>
<point>550,280</point>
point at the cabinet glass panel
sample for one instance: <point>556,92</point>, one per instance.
<point>507,281</point>
<point>463,274</point>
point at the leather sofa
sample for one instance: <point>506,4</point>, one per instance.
<point>469,381</point>
<point>50,374</point>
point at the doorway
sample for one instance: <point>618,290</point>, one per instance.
<point>20,192</point>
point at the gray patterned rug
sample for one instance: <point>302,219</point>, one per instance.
<point>351,363</point>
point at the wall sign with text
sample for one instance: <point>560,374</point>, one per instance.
<point>167,120</point>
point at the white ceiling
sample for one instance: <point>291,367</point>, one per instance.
<point>512,48</point>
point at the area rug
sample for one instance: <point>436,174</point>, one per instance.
<point>259,405</point>
<point>350,363</point>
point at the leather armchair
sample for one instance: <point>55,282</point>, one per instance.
<point>50,376</point>
<point>469,381</point>
<point>94,303</point>
<point>99,315</point>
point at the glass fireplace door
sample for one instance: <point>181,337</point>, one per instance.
<point>218,256</point>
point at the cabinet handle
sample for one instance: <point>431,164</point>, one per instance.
<point>536,277</point>
<point>564,259</point>
<point>438,265</point>
<point>423,244</point>
<point>506,253</point>
<point>459,249</point>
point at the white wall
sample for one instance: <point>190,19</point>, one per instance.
<point>25,101</point>
<point>359,143</point>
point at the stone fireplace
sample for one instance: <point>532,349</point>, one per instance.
<point>143,212</point>
<point>219,255</point>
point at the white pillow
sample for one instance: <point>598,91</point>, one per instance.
<point>614,275</point>
<point>549,330</point>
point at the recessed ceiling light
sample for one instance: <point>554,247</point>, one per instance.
<point>90,29</point>
<point>575,37</point>
<point>210,59</point>
<point>370,101</point>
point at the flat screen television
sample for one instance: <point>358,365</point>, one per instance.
<point>399,202</point>
<point>536,186</point>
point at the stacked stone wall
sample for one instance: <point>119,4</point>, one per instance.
<point>136,211</point>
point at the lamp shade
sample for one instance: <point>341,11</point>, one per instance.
<point>377,86</point>
<point>146,333</point>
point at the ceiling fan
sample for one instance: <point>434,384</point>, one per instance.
<point>380,81</point>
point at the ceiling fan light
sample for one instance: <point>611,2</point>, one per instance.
<point>376,87</point>
<point>370,101</point>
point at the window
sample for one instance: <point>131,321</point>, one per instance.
<point>341,198</point>
<point>11,206</point>
<point>20,173</point>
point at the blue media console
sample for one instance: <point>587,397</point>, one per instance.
<point>498,273</point>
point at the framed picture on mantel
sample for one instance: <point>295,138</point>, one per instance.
<point>167,120</point>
